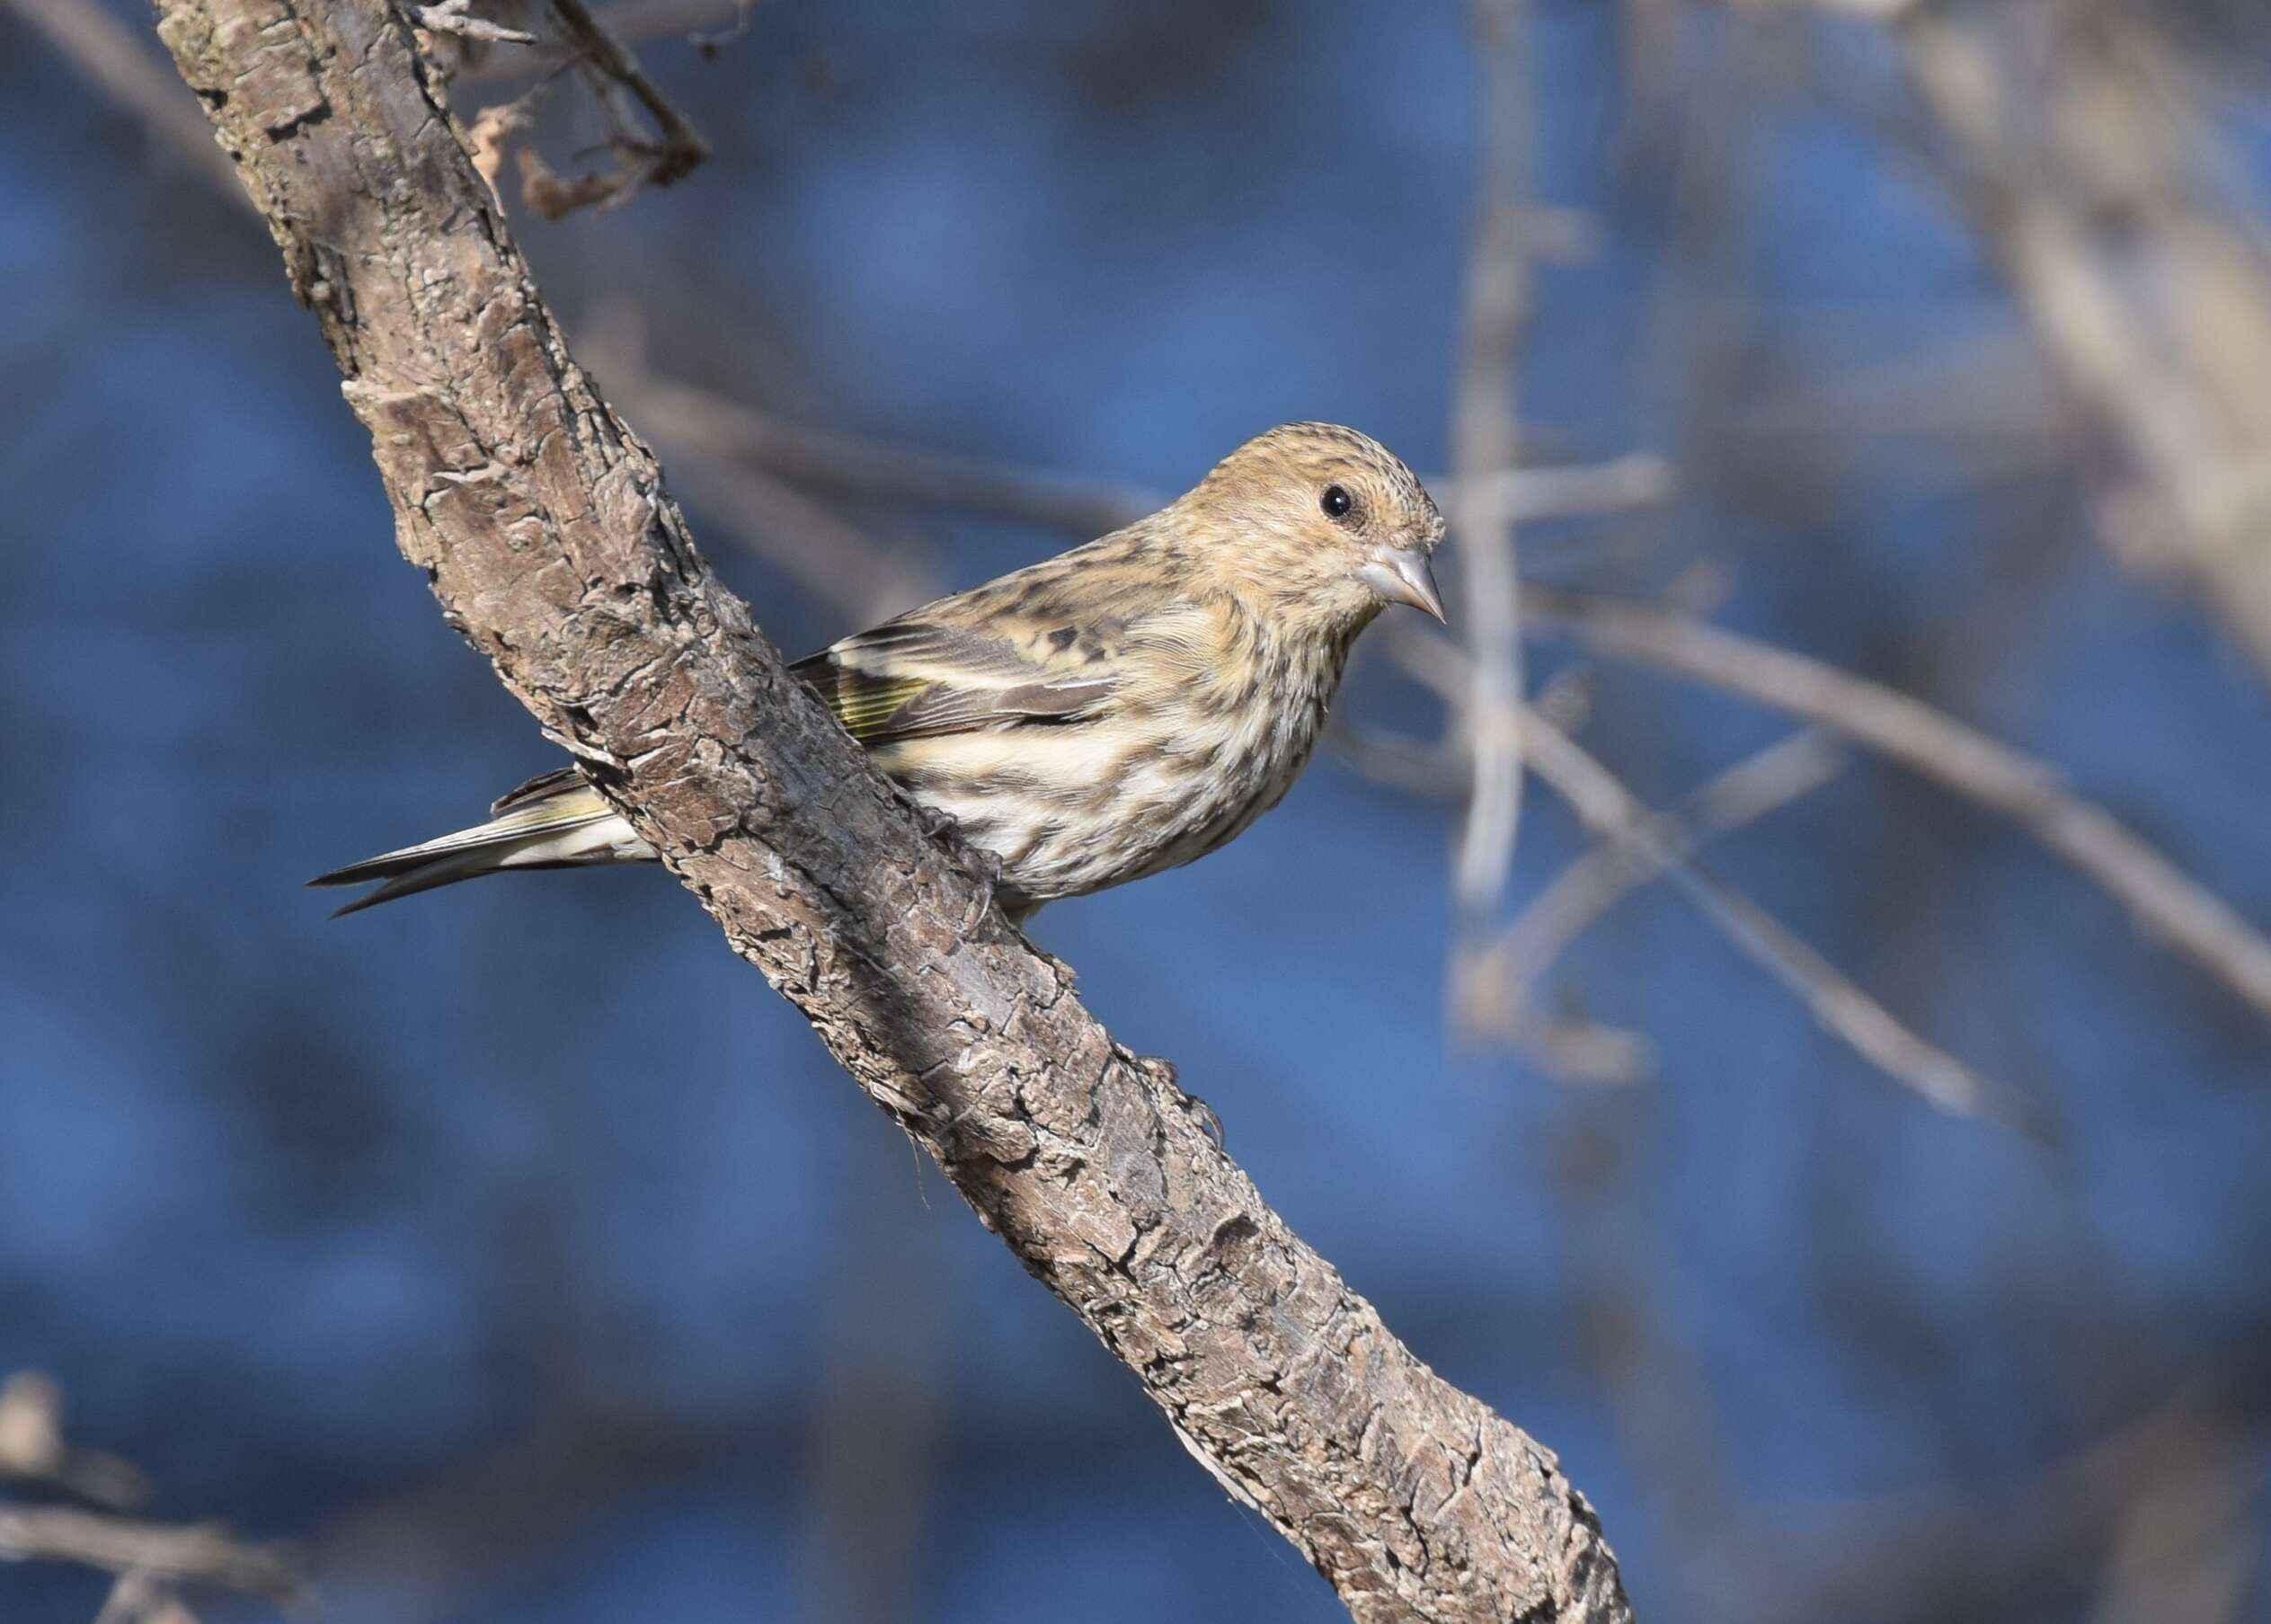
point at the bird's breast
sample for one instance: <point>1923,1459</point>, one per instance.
<point>1164,776</point>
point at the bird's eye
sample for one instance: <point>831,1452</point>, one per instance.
<point>1336,502</point>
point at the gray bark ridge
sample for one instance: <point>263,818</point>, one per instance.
<point>547,532</point>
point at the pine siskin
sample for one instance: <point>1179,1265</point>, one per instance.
<point>1120,709</point>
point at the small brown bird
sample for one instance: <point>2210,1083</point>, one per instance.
<point>1117,710</point>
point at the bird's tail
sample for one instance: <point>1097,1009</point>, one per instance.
<point>555,822</point>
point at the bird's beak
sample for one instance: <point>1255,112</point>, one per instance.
<point>1402,575</point>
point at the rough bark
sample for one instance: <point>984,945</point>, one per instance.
<point>553,545</point>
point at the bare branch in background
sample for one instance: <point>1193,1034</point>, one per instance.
<point>682,149</point>
<point>654,143</point>
<point>2084,167</point>
<point>706,434</point>
<point>2181,1551</point>
<point>1987,1553</point>
<point>706,25</point>
<point>2168,904</point>
<point>1485,441</point>
<point>834,558</point>
<point>1611,812</point>
<point>150,1558</point>
<point>137,1598</point>
<point>1496,986</point>
<point>548,534</point>
<point>34,1450</point>
<point>1638,479</point>
<point>853,465</point>
<point>1574,1049</point>
<point>1435,770</point>
<point>178,1555</point>
<point>452,17</point>
<point>850,465</point>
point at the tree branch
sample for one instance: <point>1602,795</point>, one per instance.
<point>2084,179</point>
<point>33,1450</point>
<point>553,545</point>
<point>2168,905</point>
<point>1485,440</point>
<point>1495,995</point>
<point>191,1554</point>
<point>1839,1004</point>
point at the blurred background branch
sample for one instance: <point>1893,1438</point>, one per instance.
<point>2171,907</point>
<point>2082,144</point>
<point>1486,444</point>
<point>153,1562</point>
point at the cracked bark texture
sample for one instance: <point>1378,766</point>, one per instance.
<point>553,548</point>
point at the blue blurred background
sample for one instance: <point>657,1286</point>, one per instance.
<point>516,1254</point>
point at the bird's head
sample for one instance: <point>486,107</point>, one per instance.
<point>1325,522</point>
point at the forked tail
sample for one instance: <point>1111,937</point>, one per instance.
<point>555,822</point>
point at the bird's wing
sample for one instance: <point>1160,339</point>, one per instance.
<point>920,678</point>
<point>544,787</point>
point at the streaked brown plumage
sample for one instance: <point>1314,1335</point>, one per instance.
<point>1115,711</point>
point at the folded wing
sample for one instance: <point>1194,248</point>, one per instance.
<point>920,679</point>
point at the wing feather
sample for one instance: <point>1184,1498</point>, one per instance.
<point>920,680</point>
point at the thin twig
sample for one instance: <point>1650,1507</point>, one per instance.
<point>1485,441</point>
<point>193,1555</point>
<point>849,465</point>
<point>707,436</point>
<point>33,1449</point>
<point>682,149</point>
<point>670,152</point>
<point>705,23</point>
<point>451,17</point>
<point>1842,1009</point>
<point>1419,769</point>
<point>1578,1051</point>
<point>1497,986</point>
<point>855,466</point>
<point>2150,304</point>
<point>835,559</point>
<point>137,1598</point>
<point>2168,904</point>
<point>1638,479</point>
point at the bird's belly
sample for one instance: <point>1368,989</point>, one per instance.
<point>1071,809</point>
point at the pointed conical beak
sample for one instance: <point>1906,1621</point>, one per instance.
<point>1402,575</point>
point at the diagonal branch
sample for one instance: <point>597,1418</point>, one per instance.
<point>1496,989</point>
<point>855,466</point>
<point>548,536</point>
<point>1842,1009</point>
<point>680,148</point>
<point>2153,308</point>
<point>846,465</point>
<point>2084,178</point>
<point>2170,905</point>
<point>1612,813</point>
<point>33,1449</point>
<point>188,1554</point>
